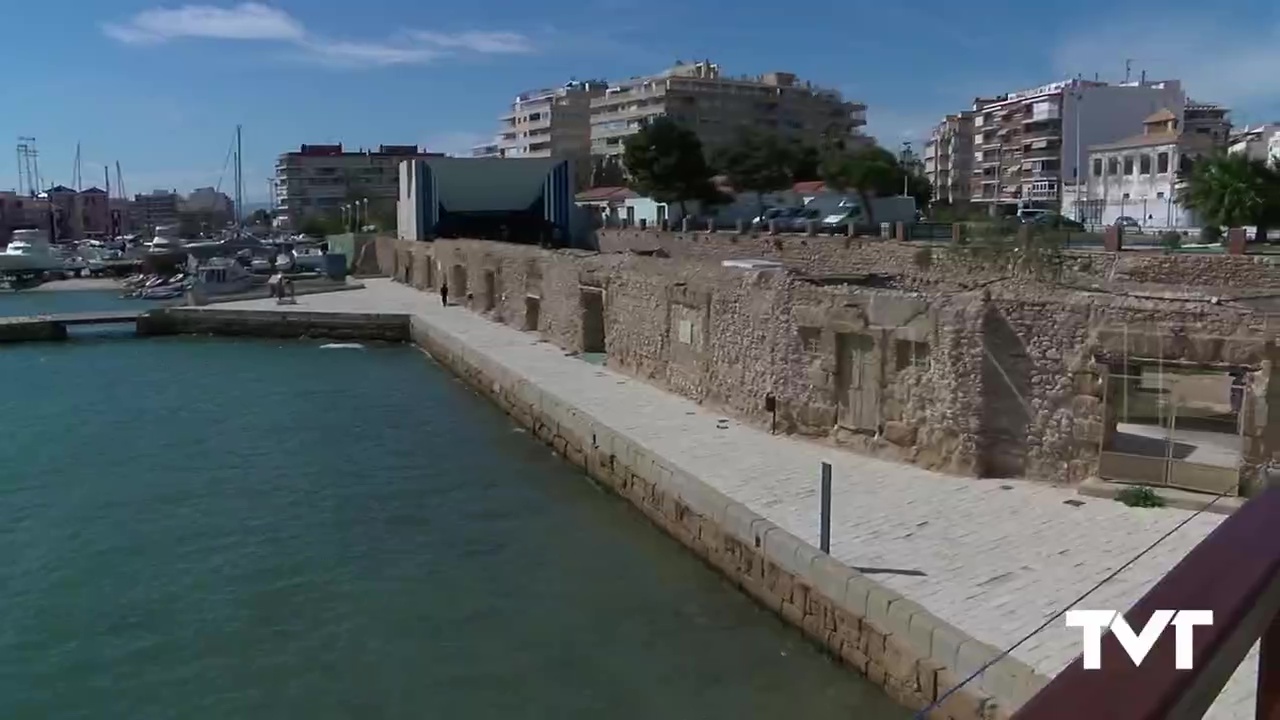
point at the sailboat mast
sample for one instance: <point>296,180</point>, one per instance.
<point>79,183</point>
<point>239,184</point>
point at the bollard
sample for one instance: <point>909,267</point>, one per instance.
<point>684,224</point>
<point>1237,241</point>
<point>886,231</point>
<point>900,231</point>
<point>824,534</point>
<point>664,224</point>
<point>851,228</point>
<point>773,227</point>
<point>711,225</point>
<point>644,224</point>
<point>810,227</point>
<point>1112,240</point>
<point>741,226</point>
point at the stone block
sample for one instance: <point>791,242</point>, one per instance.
<point>851,654</point>
<point>857,591</point>
<point>878,600</point>
<point>739,520</point>
<point>944,645</point>
<point>829,577</point>
<point>780,547</point>
<point>898,625</point>
<point>900,663</point>
<point>971,657</point>
<point>1009,681</point>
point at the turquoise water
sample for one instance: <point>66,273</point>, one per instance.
<point>202,528</point>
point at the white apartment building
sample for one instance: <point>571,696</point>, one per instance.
<point>718,106</point>
<point>1259,142</point>
<point>1140,177</point>
<point>1029,145</point>
<point>318,179</point>
<point>948,158</point>
<point>545,123</point>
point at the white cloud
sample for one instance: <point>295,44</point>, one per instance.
<point>491,43</point>
<point>247,21</point>
<point>255,21</point>
<point>1224,59</point>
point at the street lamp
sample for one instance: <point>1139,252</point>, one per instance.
<point>906,159</point>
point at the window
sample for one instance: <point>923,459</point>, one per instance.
<point>1144,164</point>
<point>1159,196</point>
<point>1128,164</point>
<point>1113,166</point>
<point>1126,196</point>
<point>911,354</point>
<point>811,340</point>
<point>1097,167</point>
<point>1162,163</point>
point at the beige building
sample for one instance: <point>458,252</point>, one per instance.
<point>717,106</point>
<point>159,208</point>
<point>1140,177</point>
<point>318,179</point>
<point>948,158</point>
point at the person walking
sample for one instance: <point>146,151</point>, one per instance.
<point>444,294</point>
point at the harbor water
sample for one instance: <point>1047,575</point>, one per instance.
<point>202,529</point>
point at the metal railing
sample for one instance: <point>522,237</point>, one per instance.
<point>1235,574</point>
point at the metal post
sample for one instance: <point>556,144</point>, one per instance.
<point>824,540</point>
<point>1079,96</point>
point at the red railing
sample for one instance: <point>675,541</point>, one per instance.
<point>1235,572</point>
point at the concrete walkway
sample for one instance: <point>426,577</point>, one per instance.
<point>997,557</point>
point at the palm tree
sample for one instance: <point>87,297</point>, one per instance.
<point>1233,191</point>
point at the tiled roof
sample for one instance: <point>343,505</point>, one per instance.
<point>605,193</point>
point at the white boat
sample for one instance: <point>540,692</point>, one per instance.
<point>309,258</point>
<point>166,240</point>
<point>29,251</point>
<point>222,276</point>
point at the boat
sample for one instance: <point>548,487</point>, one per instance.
<point>29,251</point>
<point>222,276</point>
<point>309,259</point>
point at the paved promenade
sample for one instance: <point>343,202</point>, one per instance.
<point>997,557</point>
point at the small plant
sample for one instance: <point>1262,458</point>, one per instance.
<point>1140,496</point>
<point>1171,240</point>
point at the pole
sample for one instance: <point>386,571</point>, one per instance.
<point>1079,97</point>
<point>239,183</point>
<point>825,532</point>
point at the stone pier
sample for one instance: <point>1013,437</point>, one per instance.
<point>929,574</point>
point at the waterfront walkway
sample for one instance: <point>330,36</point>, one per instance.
<point>998,557</point>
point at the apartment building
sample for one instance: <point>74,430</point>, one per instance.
<point>948,158</point>
<point>159,208</point>
<point>317,179</point>
<point>716,106</point>
<point>547,122</point>
<point>1029,145</point>
<point>1256,142</point>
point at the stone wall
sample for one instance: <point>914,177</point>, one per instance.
<point>915,657</point>
<point>996,381</point>
<point>274,324</point>
<point>836,255</point>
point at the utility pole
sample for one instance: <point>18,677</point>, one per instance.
<point>906,160</point>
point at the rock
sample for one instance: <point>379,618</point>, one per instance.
<point>899,433</point>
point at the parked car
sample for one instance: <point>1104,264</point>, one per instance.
<point>1056,222</point>
<point>800,221</point>
<point>781,214</point>
<point>1128,225</point>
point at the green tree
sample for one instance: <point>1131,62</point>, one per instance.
<point>607,172</point>
<point>1233,191</point>
<point>665,162</point>
<point>868,171</point>
<point>757,162</point>
<point>806,163</point>
<point>321,225</point>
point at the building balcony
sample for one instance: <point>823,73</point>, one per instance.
<point>1042,115</point>
<point>1042,154</point>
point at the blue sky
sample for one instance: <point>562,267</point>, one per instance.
<point>160,87</point>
